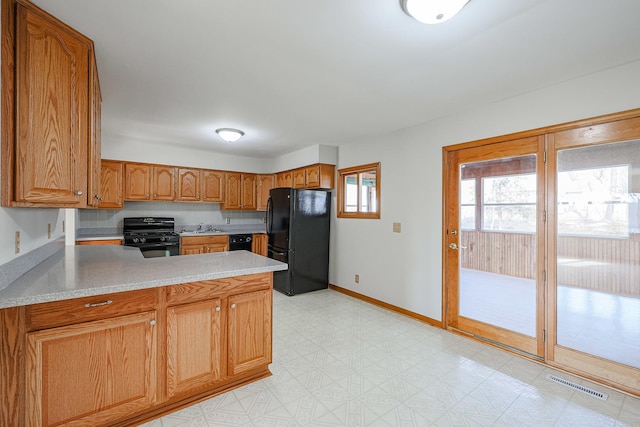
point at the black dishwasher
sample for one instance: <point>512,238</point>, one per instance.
<point>240,242</point>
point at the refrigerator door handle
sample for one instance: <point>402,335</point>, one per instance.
<point>277,252</point>
<point>269,215</point>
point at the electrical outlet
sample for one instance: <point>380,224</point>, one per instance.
<point>48,231</point>
<point>17,241</point>
<point>396,227</point>
<point>63,225</point>
<point>357,278</point>
<point>228,220</point>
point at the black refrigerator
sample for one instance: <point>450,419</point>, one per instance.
<point>298,230</point>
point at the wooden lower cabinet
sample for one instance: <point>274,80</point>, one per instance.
<point>203,244</point>
<point>194,346</point>
<point>133,356</point>
<point>99,242</point>
<point>249,334</point>
<point>91,373</point>
<point>259,244</point>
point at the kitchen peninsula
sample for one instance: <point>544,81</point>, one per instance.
<point>101,335</point>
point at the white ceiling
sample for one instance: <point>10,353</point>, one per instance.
<point>294,73</point>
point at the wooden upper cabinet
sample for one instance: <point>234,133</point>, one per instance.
<point>189,185</point>
<point>284,179</point>
<point>299,178</point>
<point>248,191</point>
<point>213,186</point>
<point>265,183</point>
<point>233,190</point>
<point>94,196</point>
<point>111,184</point>
<point>320,176</point>
<point>149,182</point>
<point>240,191</point>
<point>137,178</point>
<point>163,183</point>
<point>45,161</point>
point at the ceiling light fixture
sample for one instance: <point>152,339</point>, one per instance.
<point>229,134</point>
<point>432,11</point>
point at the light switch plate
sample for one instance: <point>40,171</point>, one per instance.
<point>396,227</point>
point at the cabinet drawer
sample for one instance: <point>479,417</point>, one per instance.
<point>78,310</point>
<point>204,240</point>
<point>207,289</point>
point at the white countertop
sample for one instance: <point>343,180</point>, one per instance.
<point>80,271</point>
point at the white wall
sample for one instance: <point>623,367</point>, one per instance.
<point>148,152</point>
<point>306,156</point>
<point>405,269</point>
<point>32,225</point>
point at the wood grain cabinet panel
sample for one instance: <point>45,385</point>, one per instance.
<point>94,175</point>
<point>248,191</point>
<point>111,184</point>
<point>259,244</point>
<point>163,183</point>
<point>249,331</point>
<point>213,186</point>
<point>299,178</point>
<point>203,244</point>
<point>194,346</point>
<point>240,191</point>
<point>188,185</point>
<point>137,181</point>
<point>265,183</point>
<point>91,373</point>
<point>284,179</point>
<point>50,154</point>
<point>320,176</point>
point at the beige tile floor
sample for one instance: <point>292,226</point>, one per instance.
<point>341,362</point>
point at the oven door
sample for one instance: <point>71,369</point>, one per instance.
<point>157,250</point>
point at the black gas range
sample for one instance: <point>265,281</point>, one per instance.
<point>155,236</point>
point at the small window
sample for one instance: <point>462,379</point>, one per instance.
<point>359,192</point>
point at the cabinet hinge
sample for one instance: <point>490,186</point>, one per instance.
<point>544,216</point>
<point>544,335</point>
<point>544,276</point>
<point>544,156</point>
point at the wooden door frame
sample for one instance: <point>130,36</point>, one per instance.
<point>451,267</point>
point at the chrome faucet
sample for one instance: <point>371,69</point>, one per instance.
<point>200,226</point>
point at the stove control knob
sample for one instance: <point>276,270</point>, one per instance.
<point>136,240</point>
<point>163,238</point>
<point>143,239</point>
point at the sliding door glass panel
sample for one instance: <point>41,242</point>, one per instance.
<point>598,251</point>
<point>498,243</point>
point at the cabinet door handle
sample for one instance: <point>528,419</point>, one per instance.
<point>233,306</point>
<point>152,322</point>
<point>78,193</point>
<point>98,304</point>
<point>218,308</point>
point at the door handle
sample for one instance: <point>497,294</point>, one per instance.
<point>454,246</point>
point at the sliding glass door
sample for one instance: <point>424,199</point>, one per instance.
<point>595,287</point>
<point>542,246</point>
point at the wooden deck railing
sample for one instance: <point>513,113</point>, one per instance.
<point>602,264</point>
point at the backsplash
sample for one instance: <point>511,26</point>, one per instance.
<point>186,214</point>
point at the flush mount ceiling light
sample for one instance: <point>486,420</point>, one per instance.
<point>229,134</point>
<point>432,11</point>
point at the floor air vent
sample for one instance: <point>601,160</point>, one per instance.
<point>601,396</point>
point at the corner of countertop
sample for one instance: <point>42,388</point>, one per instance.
<point>12,270</point>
